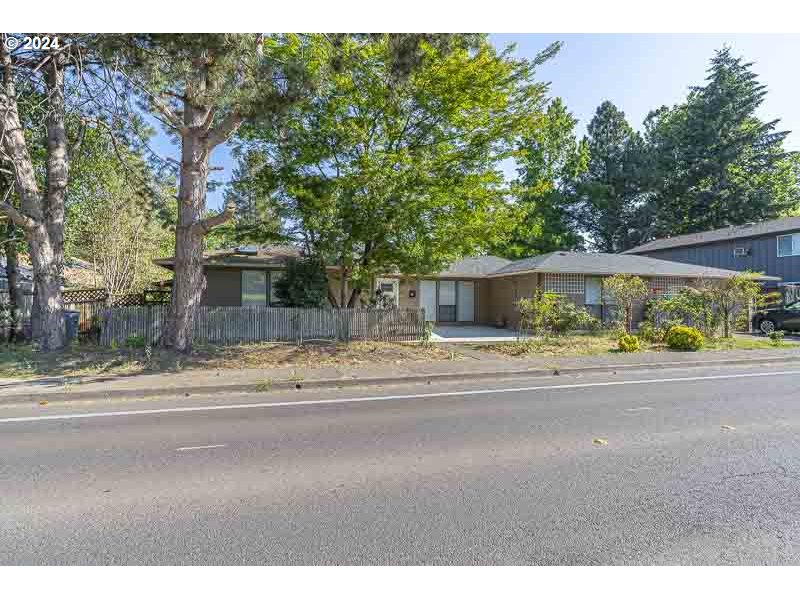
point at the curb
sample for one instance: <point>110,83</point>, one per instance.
<point>265,387</point>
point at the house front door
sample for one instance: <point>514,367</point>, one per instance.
<point>466,301</point>
<point>427,298</point>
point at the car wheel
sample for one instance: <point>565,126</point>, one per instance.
<point>767,326</point>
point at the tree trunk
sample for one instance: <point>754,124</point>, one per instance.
<point>332,299</point>
<point>197,141</point>
<point>12,276</point>
<point>343,288</point>
<point>354,296</point>
<point>189,280</point>
<point>12,265</point>
<point>41,216</point>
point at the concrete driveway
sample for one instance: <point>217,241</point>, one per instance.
<point>472,333</point>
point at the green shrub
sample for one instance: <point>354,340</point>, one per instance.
<point>427,333</point>
<point>135,341</point>
<point>304,283</point>
<point>569,317</point>
<point>628,343</point>
<point>776,337</point>
<point>547,312</point>
<point>650,333</point>
<point>681,337</point>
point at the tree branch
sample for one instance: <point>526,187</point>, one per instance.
<point>20,220</point>
<point>76,146</point>
<point>224,130</point>
<point>203,226</point>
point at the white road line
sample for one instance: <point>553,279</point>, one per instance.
<point>185,448</point>
<point>535,388</point>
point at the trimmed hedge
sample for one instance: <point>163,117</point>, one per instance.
<point>628,343</point>
<point>681,337</point>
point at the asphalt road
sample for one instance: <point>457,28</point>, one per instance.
<point>596,470</point>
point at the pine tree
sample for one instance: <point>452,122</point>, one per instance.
<point>613,186</point>
<point>717,163</point>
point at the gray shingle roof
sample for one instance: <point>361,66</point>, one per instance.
<point>610,264</point>
<point>475,266</point>
<point>717,235</point>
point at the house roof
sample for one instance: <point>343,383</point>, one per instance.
<point>733,232</point>
<point>474,266</point>
<point>243,256</point>
<point>479,267</point>
<point>611,264</point>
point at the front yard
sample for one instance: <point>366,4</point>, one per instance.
<point>606,342</point>
<point>87,360</point>
<point>90,360</point>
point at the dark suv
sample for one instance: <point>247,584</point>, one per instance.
<point>774,319</point>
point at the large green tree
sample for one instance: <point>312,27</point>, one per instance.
<point>379,172</point>
<point>549,163</point>
<point>37,153</point>
<point>613,187</point>
<point>716,163</point>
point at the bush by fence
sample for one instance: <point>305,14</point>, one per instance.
<point>247,324</point>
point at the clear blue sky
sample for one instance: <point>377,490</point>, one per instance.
<point>638,72</point>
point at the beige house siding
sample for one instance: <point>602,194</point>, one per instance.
<point>483,302</point>
<point>503,310</point>
<point>408,284</point>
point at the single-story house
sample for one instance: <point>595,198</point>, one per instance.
<point>475,290</point>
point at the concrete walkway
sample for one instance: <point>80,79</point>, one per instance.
<point>472,333</point>
<point>477,365</point>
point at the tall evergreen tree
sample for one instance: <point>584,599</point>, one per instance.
<point>613,187</point>
<point>716,162</point>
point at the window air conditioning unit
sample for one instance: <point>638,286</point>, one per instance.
<point>741,251</point>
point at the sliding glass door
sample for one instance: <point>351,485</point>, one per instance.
<point>447,301</point>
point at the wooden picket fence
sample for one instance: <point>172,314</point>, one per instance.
<point>248,324</point>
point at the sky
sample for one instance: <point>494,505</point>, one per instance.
<point>637,72</point>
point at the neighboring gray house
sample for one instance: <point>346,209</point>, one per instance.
<point>769,247</point>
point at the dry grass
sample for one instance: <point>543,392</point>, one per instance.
<point>88,360</point>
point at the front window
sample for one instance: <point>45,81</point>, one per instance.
<point>789,245</point>
<point>254,288</point>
